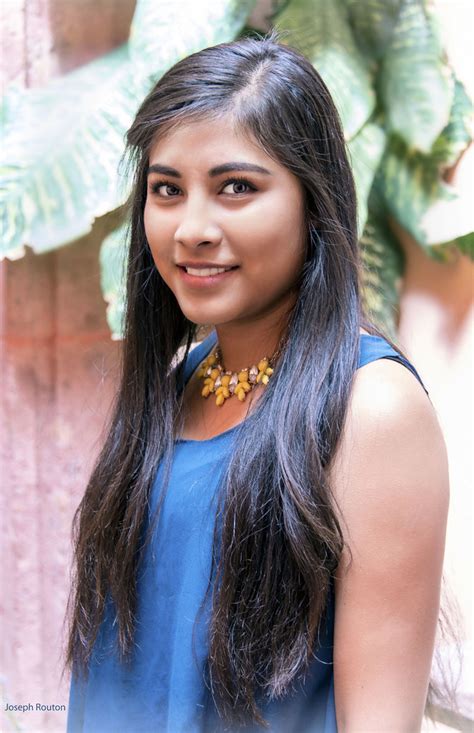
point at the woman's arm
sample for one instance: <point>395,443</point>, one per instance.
<point>390,479</point>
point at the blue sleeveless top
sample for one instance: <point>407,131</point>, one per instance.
<point>162,690</point>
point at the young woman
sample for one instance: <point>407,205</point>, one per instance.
<point>261,542</point>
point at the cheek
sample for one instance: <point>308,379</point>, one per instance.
<point>278,216</point>
<point>155,233</point>
<point>157,245</point>
<point>147,216</point>
<point>150,229</point>
<point>272,242</point>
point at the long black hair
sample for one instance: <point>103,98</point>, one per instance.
<point>280,530</point>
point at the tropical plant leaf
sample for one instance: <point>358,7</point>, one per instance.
<point>373,22</point>
<point>321,31</point>
<point>466,244</point>
<point>446,251</point>
<point>414,193</point>
<point>457,135</point>
<point>60,155</point>
<point>63,143</point>
<point>164,32</point>
<point>365,152</point>
<point>113,262</point>
<point>383,265</point>
<point>414,190</point>
<point>415,82</point>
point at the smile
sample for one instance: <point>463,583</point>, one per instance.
<point>206,276</point>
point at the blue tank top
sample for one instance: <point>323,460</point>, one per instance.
<point>162,690</point>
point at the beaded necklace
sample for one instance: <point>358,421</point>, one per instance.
<point>224,384</point>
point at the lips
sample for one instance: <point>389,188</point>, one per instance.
<point>205,266</point>
<point>198,270</point>
<point>203,281</point>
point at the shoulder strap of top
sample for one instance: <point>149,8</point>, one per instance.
<point>375,347</point>
<point>198,353</point>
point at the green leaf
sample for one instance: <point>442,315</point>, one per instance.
<point>373,22</point>
<point>446,252</point>
<point>456,136</point>
<point>63,143</point>
<point>365,152</point>
<point>466,244</point>
<point>415,194</point>
<point>113,263</point>
<point>415,82</point>
<point>321,31</point>
<point>59,160</point>
<point>164,32</point>
<point>383,264</point>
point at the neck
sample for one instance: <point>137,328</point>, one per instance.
<point>245,344</point>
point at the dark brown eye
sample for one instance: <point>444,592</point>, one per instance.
<point>240,186</point>
<point>155,188</point>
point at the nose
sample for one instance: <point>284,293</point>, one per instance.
<point>196,226</point>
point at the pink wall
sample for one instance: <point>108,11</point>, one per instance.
<point>42,39</point>
<point>59,365</point>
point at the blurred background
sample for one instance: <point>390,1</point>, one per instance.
<point>73,74</point>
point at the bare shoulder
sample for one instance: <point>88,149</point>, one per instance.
<point>390,480</point>
<point>391,461</point>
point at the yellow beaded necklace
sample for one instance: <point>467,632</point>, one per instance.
<point>225,384</point>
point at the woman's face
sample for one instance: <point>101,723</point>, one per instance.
<point>215,198</point>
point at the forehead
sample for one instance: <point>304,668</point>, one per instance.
<point>208,141</point>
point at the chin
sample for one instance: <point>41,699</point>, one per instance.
<point>203,316</point>
<point>206,320</point>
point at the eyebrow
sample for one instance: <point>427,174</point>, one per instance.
<point>216,171</point>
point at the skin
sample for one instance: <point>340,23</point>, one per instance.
<point>389,475</point>
<point>390,478</point>
<point>199,218</point>
<point>258,227</point>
